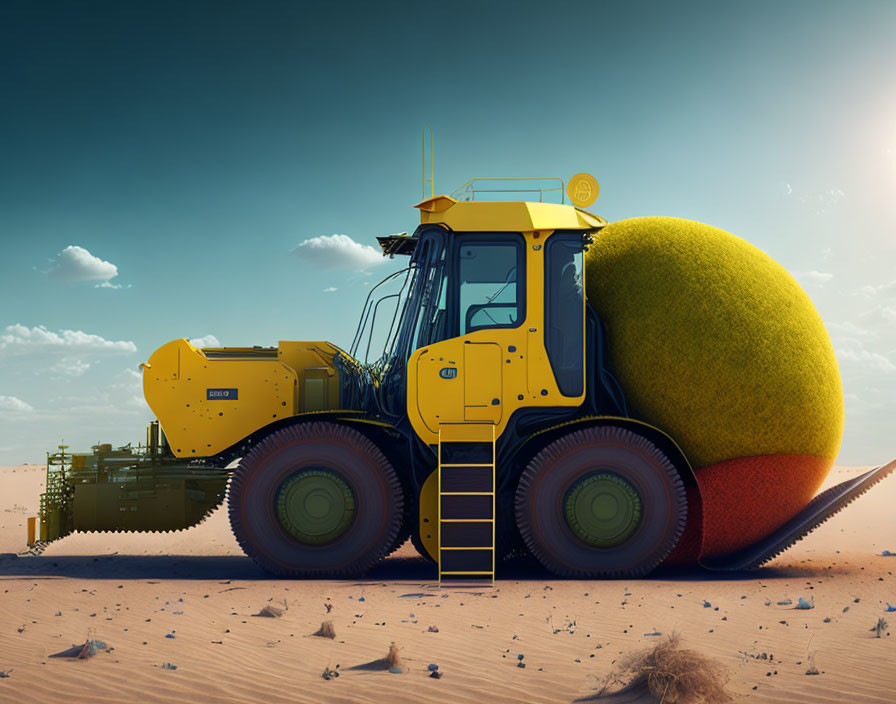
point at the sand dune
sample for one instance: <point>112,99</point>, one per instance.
<point>133,591</point>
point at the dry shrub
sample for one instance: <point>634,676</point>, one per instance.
<point>270,611</point>
<point>392,659</point>
<point>672,674</point>
<point>326,630</point>
<point>387,663</point>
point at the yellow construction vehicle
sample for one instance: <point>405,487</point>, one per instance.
<point>494,357</point>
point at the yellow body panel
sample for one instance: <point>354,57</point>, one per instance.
<point>482,382</point>
<point>208,400</point>
<point>318,379</point>
<point>509,365</point>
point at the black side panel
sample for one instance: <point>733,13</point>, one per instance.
<point>605,394</point>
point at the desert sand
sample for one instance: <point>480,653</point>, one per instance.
<point>187,600</point>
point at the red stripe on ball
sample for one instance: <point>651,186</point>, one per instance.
<point>746,499</point>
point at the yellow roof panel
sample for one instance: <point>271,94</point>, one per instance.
<point>505,216</point>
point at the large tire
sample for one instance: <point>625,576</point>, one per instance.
<point>338,468</point>
<point>404,532</point>
<point>601,502</point>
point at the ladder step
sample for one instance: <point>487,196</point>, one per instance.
<point>467,520</point>
<point>468,464</point>
<point>468,534</point>
<point>458,478</point>
<point>465,547</point>
<point>466,560</point>
<point>467,432</point>
<point>467,452</point>
<point>466,506</point>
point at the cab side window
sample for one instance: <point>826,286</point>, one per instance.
<point>491,288</point>
<point>565,311</point>
<point>432,320</point>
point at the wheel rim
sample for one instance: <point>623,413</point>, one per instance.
<point>602,509</point>
<point>315,505</point>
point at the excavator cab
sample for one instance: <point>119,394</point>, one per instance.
<point>498,326</point>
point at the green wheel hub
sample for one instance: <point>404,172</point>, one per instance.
<point>602,509</point>
<point>315,505</point>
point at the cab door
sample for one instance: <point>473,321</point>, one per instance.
<point>491,298</point>
<point>460,379</point>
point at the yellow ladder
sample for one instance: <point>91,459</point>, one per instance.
<point>466,525</point>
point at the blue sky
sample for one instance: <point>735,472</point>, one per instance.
<point>191,147</point>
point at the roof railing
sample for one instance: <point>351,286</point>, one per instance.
<point>477,188</point>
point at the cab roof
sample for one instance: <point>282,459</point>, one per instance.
<point>505,216</point>
<point>493,216</point>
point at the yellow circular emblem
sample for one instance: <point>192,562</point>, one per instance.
<point>582,190</point>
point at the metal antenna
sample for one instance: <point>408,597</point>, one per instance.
<point>431,179</point>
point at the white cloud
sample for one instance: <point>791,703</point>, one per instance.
<point>11,404</point>
<point>330,289</point>
<point>339,252</point>
<point>127,391</point>
<point>852,352</point>
<point>69,367</point>
<point>123,395</point>
<point>207,341</point>
<point>820,202</point>
<point>886,290</point>
<point>18,340</point>
<point>106,284</point>
<point>848,329</point>
<point>880,316</point>
<point>75,264</point>
<point>812,278</point>
<point>872,360</point>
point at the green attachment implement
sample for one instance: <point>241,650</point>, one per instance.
<point>141,488</point>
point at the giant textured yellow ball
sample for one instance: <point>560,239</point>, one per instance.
<point>716,344</point>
